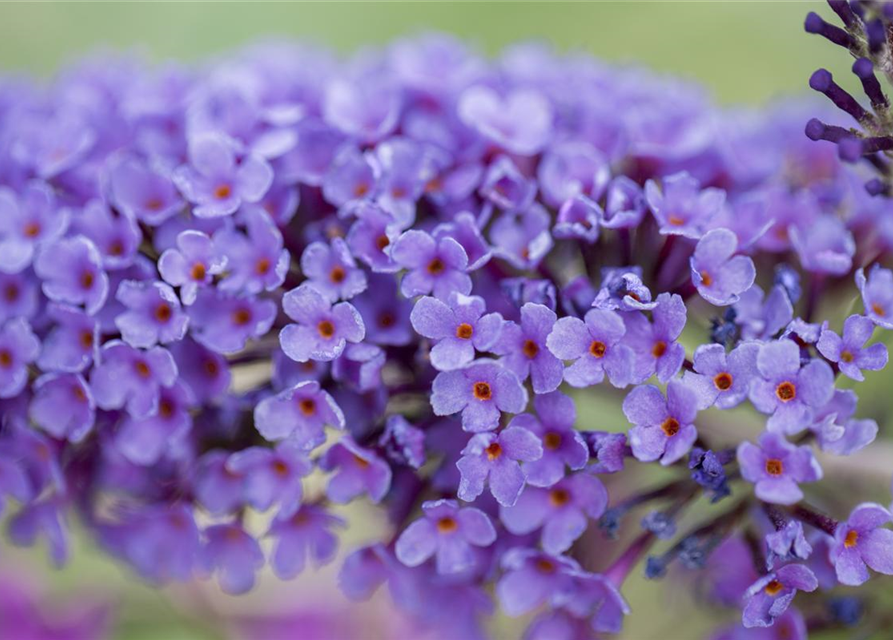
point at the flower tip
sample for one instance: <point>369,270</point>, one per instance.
<point>821,80</point>
<point>850,149</point>
<point>813,23</point>
<point>815,129</point>
<point>863,68</point>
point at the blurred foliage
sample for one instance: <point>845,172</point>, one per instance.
<point>745,52</point>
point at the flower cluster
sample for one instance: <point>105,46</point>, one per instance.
<point>234,299</point>
<point>866,36</point>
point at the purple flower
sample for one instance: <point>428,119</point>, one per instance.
<point>523,348</point>
<point>371,236</point>
<point>522,237</point>
<point>562,444</point>
<point>562,511</point>
<point>622,289</point>
<point>126,377</point>
<point>322,330</point>
<point>19,295</point>
<point>608,451</point>
<point>464,229</point>
<point>763,318</point>
<point>299,414</point>
<point>655,343</point>
<point>333,270</point>
<point>145,440</point>
<point>271,476</point>
<point>305,534</point>
<point>436,266</point>
<point>357,471</point>
<point>365,107</point>
<point>448,533</point>
<point>215,181</point>
<point>19,347</point>
<point>578,218</point>
<point>116,236</point>
<point>385,314</point>
<point>789,393</point>
<point>254,262</point>
<point>770,596</point>
<point>143,191</point>
<point>787,544</point>
<point>836,429</point>
<point>192,264</point>
<point>480,391</point>
<point>457,329</point>
<point>824,246</point>
<point>531,578</point>
<point>861,542</point>
<point>403,443</point>
<point>352,178</point>
<point>63,406</point>
<point>717,272</point>
<point>682,208</point>
<point>571,169</point>
<point>497,458</point>
<point>877,295</point>
<point>775,466</point>
<point>594,344</point>
<point>71,270</point>
<point>720,378</point>
<point>519,122</point>
<point>624,204</point>
<point>27,220</point>
<point>234,555</point>
<point>153,314</point>
<point>359,367</point>
<point>663,426</point>
<point>506,187</point>
<point>849,351</point>
<point>224,323</point>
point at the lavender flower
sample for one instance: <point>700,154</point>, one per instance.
<point>770,596</point>
<point>322,330</point>
<point>719,275</point>
<point>877,294</point>
<point>19,347</point>
<point>776,467</point>
<point>862,542</point>
<point>663,426</point>
<point>480,391</point>
<point>523,347</point>
<point>435,266</point>
<point>495,458</point>
<point>682,208</point>
<point>459,328</point>
<point>192,264</point>
<point>849,351</point>
<point>594,344</point>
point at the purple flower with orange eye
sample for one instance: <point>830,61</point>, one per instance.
<point>594,344</point>
<point>72,343</point>
<point>562,511</point>
<point>862,542</point>
<point>19,347</point>
<point>357,471</point>
<point>71,270</point>
<point>849,351</point>
<point>654,343</point>
<point>352,178</point>
<point>332,270</point>
<point>143,191</point>
<point>458,328</point>
<point>722,378</point>
<point>19,295</point>
<point>682,208</point>
<point>578,218</point>
<point>215,181</point>
<point>719,275</point>
<point>299,414</point>
<point>481,391</point>
<point>506,187</point>
<point>519,122</point>
<point>562,444</point>
<point>255,262</point>
<point>571,169</point>
<point>770,596</point>
<point>436,266</point>
<point>129,378</point>
<point>776,466</point>
<point>877,294</point>
<point>532,578</point>
<point>790,393</point>
<point>192,264</point>
<point>116,236</point>
<point>153,314</point>
<point>371,236</point>
<point>63,406</point>
<point>322,330</point>
<point>145,440</point>
<point>27,220</point>
<point>307,533</point>
<point>234,555</point>
<point>496,458</point>
<point>664,427</point>
<point>271,476</point>
<point>448,533</point>
<point>224,324</point>
<point>523,348</point>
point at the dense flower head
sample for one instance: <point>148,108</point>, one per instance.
<point>481,295</point>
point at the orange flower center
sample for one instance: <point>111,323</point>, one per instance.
<point>774,587</point>
<point>362,463</point>
<point>464,331</point>
<point>11,293</point>
<point>163,312</point>
<point>198,272</point>
<point>326,329</point>
<point>597,349</point>
<point>675,220</point>
<point>142,369</point>
<point>659,349</point>
<point>552,440</point>
<point>786,391</point>
<point>670,427</point>
<point>436,267</point>
<point>846,356</point>
<point>852,537</point>
<point>154,204</point>
<point>386,319</point>
<point>307,406</point>
<point>87,279</point>
<point>86,339</point>
<point>482,391</point>
<point>878,310</point>
<point>774,467</point>
<point>530,348</point>
<point>280,468</point>
<point>360,190</point>
<point>31,230</point>
<point>5,358</point>
<point>262,267</point>
<point>241,316</point>
<point>706,279</point>
<point>382,241</point>
<point>545,566</point>
<point>494,451</point>
<point>722,381</point>
<point>223,191</point>
<point>559,497</point>
<point>337,274</point>
<point>447,524</point>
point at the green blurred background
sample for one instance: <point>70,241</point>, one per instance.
<point>745,52</point>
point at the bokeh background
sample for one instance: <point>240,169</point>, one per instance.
<point>745,52</point>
